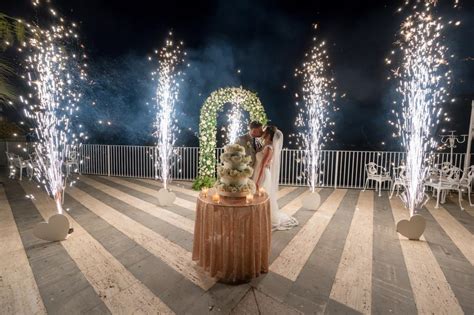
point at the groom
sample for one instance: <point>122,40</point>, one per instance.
<point>250,142</point>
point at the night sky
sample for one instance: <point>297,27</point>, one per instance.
<point>266,41</point>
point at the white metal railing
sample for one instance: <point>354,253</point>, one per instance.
<point>135,161</point>
<point>344,169</point>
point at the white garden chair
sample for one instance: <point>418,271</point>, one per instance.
<point>448,179</point>
<point>32,164</point>
<point>444,168</point>
<point>399,179</point>
<point>466,182</point>
<point>378,174</point>
<point>72,160</point>
<point>16,162</point>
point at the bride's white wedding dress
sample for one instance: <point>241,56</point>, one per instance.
<point>280,220</point>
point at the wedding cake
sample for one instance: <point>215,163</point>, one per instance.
<point>234,173</point>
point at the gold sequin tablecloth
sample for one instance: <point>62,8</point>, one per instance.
<point>232,238</point>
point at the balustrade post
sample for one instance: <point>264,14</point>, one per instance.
<point>108,160</point>
<point>336,170</point>
<point>155,153</point>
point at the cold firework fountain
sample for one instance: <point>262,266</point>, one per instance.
<point>167,78</point>
<point>318,94</point>
<point>235,119</point>
<point>54,72</point>
<point>422,77</point>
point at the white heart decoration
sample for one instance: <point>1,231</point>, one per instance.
<point>311,201</point>
<point>56,229</point>
<point>413,228</point>
<point>166,197</point>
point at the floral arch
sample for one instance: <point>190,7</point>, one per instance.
<point>208,125</point>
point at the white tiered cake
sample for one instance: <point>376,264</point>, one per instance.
<point>234,173</point>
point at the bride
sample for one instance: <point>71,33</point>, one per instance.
<point>267,175</point>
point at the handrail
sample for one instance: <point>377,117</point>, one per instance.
<point>339,168</point>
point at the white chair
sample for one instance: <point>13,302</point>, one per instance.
<point>16,162</point>
<point>447,180</point>
<point>11,168</point>
<point>378,174</point>
<point>72,160</point>
<point>399,179</point>
<point>466,182</point>
<point>32,165</point>
<point>444,168</point>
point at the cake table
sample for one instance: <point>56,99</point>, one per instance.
<point>232,238</point>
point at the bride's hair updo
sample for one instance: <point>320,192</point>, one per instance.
<point>269,131</point>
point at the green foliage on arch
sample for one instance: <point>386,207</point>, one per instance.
<point>208,126</point>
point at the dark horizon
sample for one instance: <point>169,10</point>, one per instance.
<point>266,41</point>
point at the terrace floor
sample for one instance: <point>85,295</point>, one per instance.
<point>127,256</point>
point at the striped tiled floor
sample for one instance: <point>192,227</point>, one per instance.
<point>128,255</point>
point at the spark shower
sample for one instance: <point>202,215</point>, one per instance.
<point>54,67</point>
<point>167,77</point>
<point>318,94</point>
<point>422,76</point>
